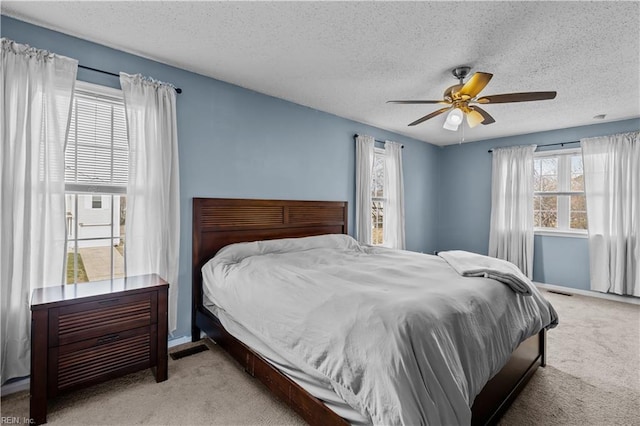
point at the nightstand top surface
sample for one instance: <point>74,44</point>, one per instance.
<point>72,292</point>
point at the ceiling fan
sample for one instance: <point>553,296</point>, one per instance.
<point>462,99</point>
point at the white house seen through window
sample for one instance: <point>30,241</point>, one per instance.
<point>559,200</point>
<point>96,170</point>
<point>377,197</point>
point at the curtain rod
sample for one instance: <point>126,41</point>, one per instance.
<point>178,90</point>
<point>376,140</point>
<point>551,144</point>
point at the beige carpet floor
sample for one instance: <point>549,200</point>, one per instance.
<point>592,378</point>
<point>593,367</point>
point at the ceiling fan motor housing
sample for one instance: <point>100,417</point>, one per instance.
<point>460,73</point>
<point>449,92</point>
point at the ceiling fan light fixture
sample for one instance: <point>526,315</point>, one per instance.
<point>454,119</point>
<point>449,126</point>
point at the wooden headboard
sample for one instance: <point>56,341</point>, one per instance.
<point>218,222</point>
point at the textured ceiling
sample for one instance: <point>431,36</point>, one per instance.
<point>349,58</point>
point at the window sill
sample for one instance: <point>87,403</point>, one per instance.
<point>564,233</point>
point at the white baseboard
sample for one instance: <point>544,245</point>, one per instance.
<point>616,298</point>
<point>179,341</point>
<point>17,386</point>
<point>23,384</point>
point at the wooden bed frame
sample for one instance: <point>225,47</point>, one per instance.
<point>218,222</point>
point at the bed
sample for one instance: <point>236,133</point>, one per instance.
<point>220,222</point>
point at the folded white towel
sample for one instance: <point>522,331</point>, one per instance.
<point>470,264</point>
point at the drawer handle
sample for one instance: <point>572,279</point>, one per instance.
<point>108,339</point>
<point>108,301</point>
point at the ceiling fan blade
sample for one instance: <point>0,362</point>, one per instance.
<point>418,102</point>
<point>433,114</point>
<point>474,85</point>
<point>486,117</point>
<point>517,97</point>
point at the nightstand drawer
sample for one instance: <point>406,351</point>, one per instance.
<point>100,358</point>
<point>87,320</point>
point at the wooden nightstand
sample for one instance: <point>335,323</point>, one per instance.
<point>82,334</point>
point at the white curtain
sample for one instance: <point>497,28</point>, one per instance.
<point>393,219</point>
<point>612,187</point>
<point>36,90</point>
<point>511,231</point>
<point>152,229</point>
<point>364,170</point>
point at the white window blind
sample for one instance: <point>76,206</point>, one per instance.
<point>97,154</point>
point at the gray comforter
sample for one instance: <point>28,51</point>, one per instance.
<point>401,336</point>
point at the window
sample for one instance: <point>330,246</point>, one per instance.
<point>96,171</point>
<point>96,201</point>
<point>559,201</point>
<point>377,197</point>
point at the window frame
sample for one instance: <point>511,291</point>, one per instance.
<point>381,153</point>
<point>75,189</point>
<point>563,193</point>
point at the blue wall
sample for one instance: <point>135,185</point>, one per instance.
<point>234,142</point>
<point>464,210</point>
